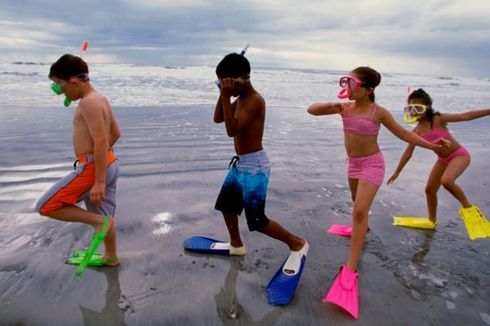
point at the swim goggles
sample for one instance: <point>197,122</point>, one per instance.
<point>239,79</point>
<point>348,83</point>
<point>415,109</point>
<point>413,112</point>
<point>351,82</point>
<point>56,88</point>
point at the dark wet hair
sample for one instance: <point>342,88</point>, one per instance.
<point>425,98</point>
<point>69,66</point>
<point>369,77</point>
<point>233,65</point>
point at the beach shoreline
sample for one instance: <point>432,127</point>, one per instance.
<point>173,160</point>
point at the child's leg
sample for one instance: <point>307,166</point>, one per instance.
<point>76,214</point>
<point>353,188</point>
<point>454,169</point>
<point>108,207</point>
<point>254,188</point>
<point>364,196</point>
<point>276,231</point>
<point>432,187</point>
<point>231,220</point>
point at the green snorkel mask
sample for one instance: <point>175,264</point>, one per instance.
<point>56,88</point>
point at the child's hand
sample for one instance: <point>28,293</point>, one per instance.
<point>392,178</point>
<point>442,143</point>
<point>227,87</point>
<point>97,194</point>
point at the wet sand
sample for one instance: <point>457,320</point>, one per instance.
<point>173,161</point>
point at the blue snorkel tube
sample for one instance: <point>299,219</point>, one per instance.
<point>244,50</point>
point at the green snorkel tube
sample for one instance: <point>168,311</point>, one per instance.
<point>409,119</point>
<point>56,88</point>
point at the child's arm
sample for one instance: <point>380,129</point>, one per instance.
<point>465,116</point>
<point>407,154</point>
<point>114,132</point>
<point>238,123</point>
<point>92,114</point>
<point>324,108</point>
<point>218,111</point>
<point>408,136</point>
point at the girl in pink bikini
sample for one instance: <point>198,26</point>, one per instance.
<point>361,118</point>
<point>452,160</point>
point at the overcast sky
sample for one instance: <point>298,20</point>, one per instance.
<point>444,37</point>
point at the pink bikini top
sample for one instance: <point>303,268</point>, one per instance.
<point>435,134</point>
<point>360,125</point>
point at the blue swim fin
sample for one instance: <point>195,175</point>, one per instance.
<point>205,245</point>
<point>281,288</point>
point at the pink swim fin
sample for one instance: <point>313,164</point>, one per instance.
<point>340,229</point>
<point>344,291</point>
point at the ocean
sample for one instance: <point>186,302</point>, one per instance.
<point>27,84</point>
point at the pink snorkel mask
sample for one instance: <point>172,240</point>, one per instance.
<point>348,83</point>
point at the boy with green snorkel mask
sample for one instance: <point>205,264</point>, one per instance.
<point>95,131</point>
<point>56,88</point>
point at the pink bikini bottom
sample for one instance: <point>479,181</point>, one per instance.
<point>370,168</point>
<point>461,151</point>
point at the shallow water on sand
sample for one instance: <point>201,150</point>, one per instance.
<point>173,160</point>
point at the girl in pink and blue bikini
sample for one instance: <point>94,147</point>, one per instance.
<point>452,160</point>
<point>361,118</point>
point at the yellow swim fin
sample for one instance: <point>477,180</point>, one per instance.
<point>414,222</point>
<point>476,223</point>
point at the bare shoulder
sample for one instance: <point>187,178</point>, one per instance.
<point>258,99</point>
<point>381,109</point>
<point>255,102</point>
<point>439,121</point>
<point>94,102</point>
<point>382,113</point>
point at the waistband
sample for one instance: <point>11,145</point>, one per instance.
<point>89,157</point>
<point>458,151</point>
<point>255,161</point>
<point>377,154</point>
<point>251,155</point>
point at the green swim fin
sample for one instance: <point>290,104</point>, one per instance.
<point>97,239</point>
<point>476,223</point>
<point>414,222</point>
<point>81,253</point>
<point>95,261</point>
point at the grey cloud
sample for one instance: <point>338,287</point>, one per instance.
<point>184,33</point>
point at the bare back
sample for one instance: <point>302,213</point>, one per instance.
<point>92,118</point>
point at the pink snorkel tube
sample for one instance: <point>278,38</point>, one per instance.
<point>344,92</point>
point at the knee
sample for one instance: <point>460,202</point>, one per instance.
<point>257,223</point>
<point>447,183</point>
<point>431,190</point>
<point>43,211</point>
<point>359,216</point>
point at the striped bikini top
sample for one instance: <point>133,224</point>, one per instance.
<point>360,125</point>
